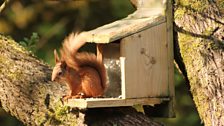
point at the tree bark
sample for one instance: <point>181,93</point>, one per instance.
<point>200,54</point>
<point>27,93</point>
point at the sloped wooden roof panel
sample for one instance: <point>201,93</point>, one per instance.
<point>124,27</point>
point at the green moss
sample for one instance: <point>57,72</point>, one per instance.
<point>183,2</point>
<point>17,47</point>
<point>139,108</point>
<point>201,107</point>
<point>190,47</point>
<point>220,4</point>
<point>2,60</point>
<point>61,111</point>
<point>192,52</point>
<point>59,114</point>
<point>179,13</point>
<point>188,44</point>
<point>8,41</point>
<point>11,72</point>
<point>197,5</point>
<point>50,116</point>
<point>52,120</point>
<point>39,120</point>
<point>15,75</point>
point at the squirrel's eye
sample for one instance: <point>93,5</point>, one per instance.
<point>60,73</point>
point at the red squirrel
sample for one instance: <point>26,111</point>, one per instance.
<point>83,73</point>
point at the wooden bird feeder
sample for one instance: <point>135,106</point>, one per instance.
<point>138,54</point>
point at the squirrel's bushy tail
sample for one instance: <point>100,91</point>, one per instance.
<point>84,59</point>
<point>78,60</point>
<point>70,46</point>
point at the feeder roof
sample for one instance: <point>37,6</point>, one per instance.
<point>136,22</point>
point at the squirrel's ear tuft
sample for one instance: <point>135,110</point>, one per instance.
<point>56,57</point>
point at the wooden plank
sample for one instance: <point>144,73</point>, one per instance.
<point>169,26</point>
<point>123,81</point>
<point>146,63</point>
<point>169,16</point>
<point>122,28</point>
<point>112,102</point>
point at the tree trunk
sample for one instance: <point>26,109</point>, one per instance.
<point>200,54</point>
<point>27,93</point>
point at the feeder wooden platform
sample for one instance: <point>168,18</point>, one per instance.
<point>112,102</point>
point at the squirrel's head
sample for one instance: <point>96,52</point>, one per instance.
<point>59,70</point>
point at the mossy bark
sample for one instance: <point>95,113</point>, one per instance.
<point>27,93</point>
<point>200,37</point>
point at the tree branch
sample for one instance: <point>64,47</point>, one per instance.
<point>3,5</point>
<point>199,46</point>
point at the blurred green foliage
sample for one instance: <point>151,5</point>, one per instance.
<point>30,43</point>
<point>41,26</point>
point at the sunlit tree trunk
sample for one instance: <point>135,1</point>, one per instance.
<point>199,53</point>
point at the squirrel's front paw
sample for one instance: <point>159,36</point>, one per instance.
<point>79,95</point>
<point>66,97</point>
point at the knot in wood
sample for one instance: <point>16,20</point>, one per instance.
<point>153,60</point>
<point>142,51</point>
<point>150,59</point>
